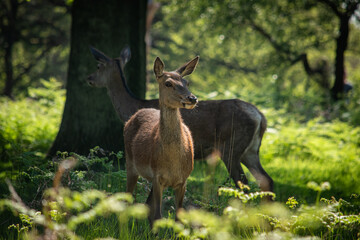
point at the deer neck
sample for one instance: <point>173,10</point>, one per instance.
<point>170,124</point>
<point>124,102</point>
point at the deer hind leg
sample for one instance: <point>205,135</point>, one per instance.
<point>179,198</point>
<point>252,161</point>
<point>233,166</point>
<point>131,177</point>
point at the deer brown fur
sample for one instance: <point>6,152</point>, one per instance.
<point>233,127</point>
<point>158,145</point>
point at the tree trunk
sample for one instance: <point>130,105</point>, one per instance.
<point>341,46</point>
<point>9,82</point>
<point>89,118</point>
<point>9,32</point>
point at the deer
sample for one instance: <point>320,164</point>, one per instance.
<point>233,127</point>
<point>158,145</point>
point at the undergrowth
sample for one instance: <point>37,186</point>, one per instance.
<point>296,153</point>
<point>28,126</point>
<point>92,213</point>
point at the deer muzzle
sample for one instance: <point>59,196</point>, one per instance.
<point>90,80</point>
<point>192,99</point>
<point>190,102</point>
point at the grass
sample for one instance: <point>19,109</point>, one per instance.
<point>294,153</point>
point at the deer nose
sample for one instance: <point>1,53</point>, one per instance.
<point>192,99</point>
<point>90,80</point>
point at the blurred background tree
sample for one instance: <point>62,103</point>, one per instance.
<point>89,119</point>
<point>273,36</point>
<point>34,36</point>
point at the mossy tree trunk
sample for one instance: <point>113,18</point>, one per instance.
<point>89,119</point>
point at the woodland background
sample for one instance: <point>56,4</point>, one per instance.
<point>289,58</point>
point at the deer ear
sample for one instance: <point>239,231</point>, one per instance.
<point>125,54</point>
<point>99,56</point>
<point>188,67</point>
<point>158,67</point>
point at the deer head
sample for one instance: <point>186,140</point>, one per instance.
<point>107,66</point>
<point>173,88</point>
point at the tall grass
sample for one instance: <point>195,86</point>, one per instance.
<point>93,214</point>
<point>30,124</point>
<point>296,153</point>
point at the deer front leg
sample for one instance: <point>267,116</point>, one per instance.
<point>179,198</point>
<point>149,202</point>
<point>155,201</point>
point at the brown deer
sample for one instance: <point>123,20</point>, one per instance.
<point>233,127</point>
<point>158,145</point>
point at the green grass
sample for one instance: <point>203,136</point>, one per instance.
<point>295,154</point>
<point>29,125</point>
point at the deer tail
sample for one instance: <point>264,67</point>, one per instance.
<point>263,125</point>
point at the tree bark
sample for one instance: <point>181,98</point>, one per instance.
<point>89,118</point>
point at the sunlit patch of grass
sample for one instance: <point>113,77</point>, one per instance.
<point>294,154</point>
<point>30,124</point>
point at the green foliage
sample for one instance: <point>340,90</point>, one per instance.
<point>88,213</point>
<point>27,129</point>
<point>243,196</point>
<point>39,46</point>
<point>240,220</point>
<point>292,203</point>
<point>64,210</point>
<point>297,153</point>
<point>30,125</point>
<point>238,61</point>
<point>92,172</point>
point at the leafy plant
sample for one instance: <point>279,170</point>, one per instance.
<point>30,124</point>
<point>64,210</point>
<point>240,219</point>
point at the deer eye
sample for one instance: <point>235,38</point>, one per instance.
<point>168,84</point>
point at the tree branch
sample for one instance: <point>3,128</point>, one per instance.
<point>308,69</point>
<point>61,3</point>
<point>352,8</point>
<point>276,45</point>
<point>28,68</point>
<point>234,66</point>
<point>320,70</point>
<point>333,7</point>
